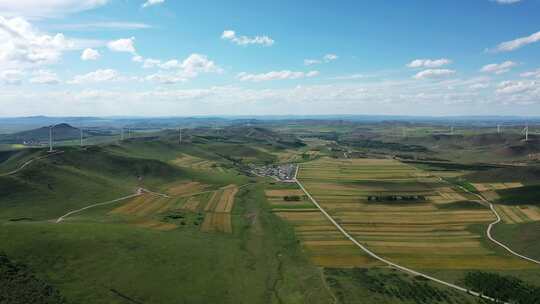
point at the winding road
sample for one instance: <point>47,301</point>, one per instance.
<point>383,260</point>
<point>498,220</point>
<point>29,162</point>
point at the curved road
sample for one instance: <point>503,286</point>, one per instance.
<point>383,260</point>
<point>498,220</point>
<point>29,162</point>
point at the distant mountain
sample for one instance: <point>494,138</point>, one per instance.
<point>61,132</point>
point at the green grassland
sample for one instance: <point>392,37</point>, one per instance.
<point>279,251</point>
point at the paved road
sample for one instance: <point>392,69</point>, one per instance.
<point>498,220</point>
<point>29,162</point>
<point>383,260</point>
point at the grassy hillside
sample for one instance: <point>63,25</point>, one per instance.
<point>524,238</point>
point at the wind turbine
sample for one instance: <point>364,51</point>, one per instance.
<point>526,131</point>
<point>81,129</point>
<point>179,135</point>
<point>51,138</point>
<point>498,129</point>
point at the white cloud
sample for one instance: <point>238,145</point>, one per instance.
<point>434,73</point>
<point>479,86</point>
<point>12,77</point>
<point>326,58</point>
<point>166,78</point>
<point>513,87</point>
<point>349,77</point>
<point>44,8</point>
<point>111,25</point>
<point>90,54</point>
<point>517,43</point>
<point>152,2</point>
<point>276,75</point>
<point>311,61</point>
<point>428,63</point>
<point>498,68</point>
<point>330,57</point>
<point>535,73</point>
<point>44,77</point>
<point>181,71</point>
<point>126,45</point>
<point>506,1</point>
<point>100,75</point>
<point>244,40</point>
<point>21,45</point>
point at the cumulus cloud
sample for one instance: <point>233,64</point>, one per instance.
<point>21,45</point>
<point>326,58</point>
<point>44,77</point>
<point>126,45</point>
<point>12,77</point>
<point>97,76</point>
<point>230,35</point>
<point>531,74</point>
<point>506,1</point>
<point>479,86</point>
<point>276,75</point>
<point>90,54</point>
<point>498,68</point>
<point>434,73</point>
<point>110,25</point>
<point>513,86</point>
<point>517,43</point>
<point>180,71</point>
<point>41,8</point>
<point>152,2</point>
<point>429,63</point>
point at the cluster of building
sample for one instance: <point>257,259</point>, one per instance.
<point>284,173</point>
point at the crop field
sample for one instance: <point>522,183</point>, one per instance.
<point>148,210</point>
<point>193,162</point>
<point>321,241</point>
<point>514,214</point>
<point>218,210</point>
<point>403,214</point>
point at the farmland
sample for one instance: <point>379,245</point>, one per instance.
<point>404,215</point>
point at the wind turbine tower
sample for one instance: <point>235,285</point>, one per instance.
<point>498,129</point>
<point>179,135</point>
<point>81,129</point>
<point>526,131</point>
<point>50,138</point>
<point>122,133</point>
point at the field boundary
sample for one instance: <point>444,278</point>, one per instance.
<point>381,259</point>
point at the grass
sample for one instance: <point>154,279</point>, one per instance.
<point>522,237</point>
<point>98,257</point>
<point>527,195</point>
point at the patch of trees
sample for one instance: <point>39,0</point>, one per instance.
<point>388,285</point>
<point>395,198</point>
<point>18,285</point>
<point>292,198</point>
<point>504,288</point>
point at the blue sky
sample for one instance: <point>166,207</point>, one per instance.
<point>164,57</point>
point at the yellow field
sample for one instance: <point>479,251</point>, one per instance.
<point>323,243</point>
<point>422,233</point>
<point>189,161</point>
<point>218,210</point>
<point>518,214</point>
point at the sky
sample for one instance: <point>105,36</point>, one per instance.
<point>279,57</point>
